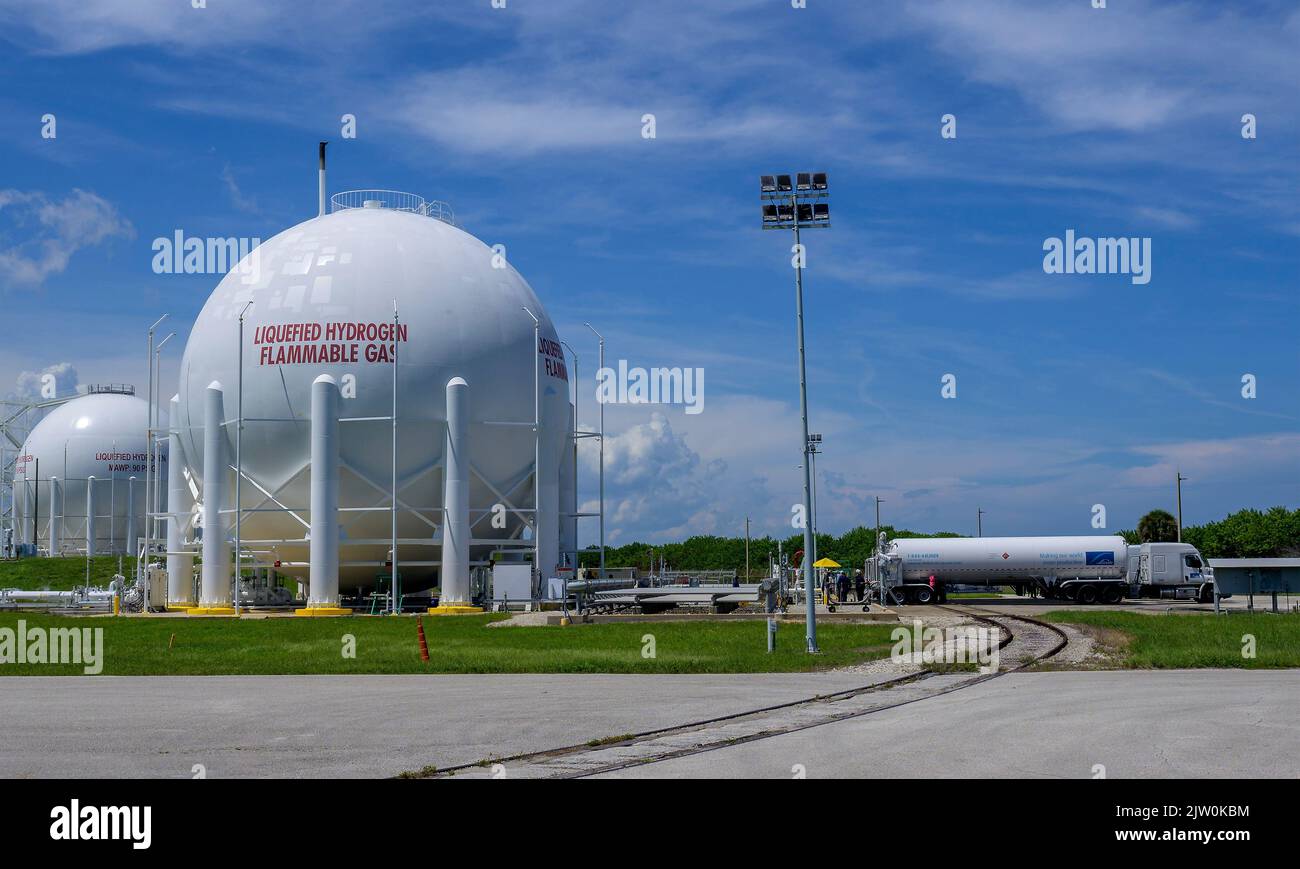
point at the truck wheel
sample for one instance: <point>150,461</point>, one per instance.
<point>1207,593</point>
<point>924,594</point>
<point>1111,595</point>
<point>1086,594</point>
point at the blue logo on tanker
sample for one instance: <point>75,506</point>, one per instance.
<point>1099,558</point>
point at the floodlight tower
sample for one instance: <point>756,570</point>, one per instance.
<point>797,205</point>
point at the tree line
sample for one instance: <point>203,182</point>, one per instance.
<point>1273,533</point>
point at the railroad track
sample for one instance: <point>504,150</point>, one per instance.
<point>1035,642</point>
<point>1031,641</point>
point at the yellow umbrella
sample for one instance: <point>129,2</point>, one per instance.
<point>825,562</point>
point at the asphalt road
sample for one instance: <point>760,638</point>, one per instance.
<point>1170,723</point>
<point>1201,723</point>
<point>346,726</point>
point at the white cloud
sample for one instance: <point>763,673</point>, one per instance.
<point>1168,218</point>
<point>669,477</point>
<point>55,229</point>
<point>29,385</point>
<point>237,196</point>
<point>83,26</point>
<point>1222,460</point>
<point>1131,67</point>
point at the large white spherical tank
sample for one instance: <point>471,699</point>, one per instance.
<point>101,435</point>
<point>323,295</point>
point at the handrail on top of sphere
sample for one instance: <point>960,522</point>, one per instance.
<point>394,200</point>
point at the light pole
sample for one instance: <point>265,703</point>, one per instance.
<point>394,584</point>
<point>537,452</point>
<point>814,444</point>
<point>154,458</point>
<point>573,435</point>
<point>1179,486</point>
<point>876,550</point>
<point>602,455</point>
<point>789,205</point>
<point>979,522</point>
<point>746,549</point>
<point>148,362</point>
<point>239,457</point>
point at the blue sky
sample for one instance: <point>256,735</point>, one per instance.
<point>1072,390</point>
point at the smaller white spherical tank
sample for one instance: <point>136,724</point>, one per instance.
<point>101,436</point>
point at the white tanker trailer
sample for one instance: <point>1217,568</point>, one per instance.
<point>1083,569</point>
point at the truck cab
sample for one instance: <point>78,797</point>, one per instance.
<point>1173,570</point>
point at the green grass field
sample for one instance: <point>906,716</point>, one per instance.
<point>1145,641</point>
<point>461,644</point>
<point>61,574</point>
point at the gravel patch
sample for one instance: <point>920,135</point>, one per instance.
<point>523,620</point>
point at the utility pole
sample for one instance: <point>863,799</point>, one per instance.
<point>979,522</point>
<point>746,549</point>
<point>239,461</point>
<point>538,576</point>
<point>602,452</point>
<point>394,576</point>
<point>149,507</point>
<point>875,548</point>
<point>1179,486</point>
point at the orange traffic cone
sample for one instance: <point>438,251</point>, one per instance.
<point>424,645</point>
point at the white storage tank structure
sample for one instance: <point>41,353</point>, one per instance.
<point>90,451</point>
<point>318,305</point>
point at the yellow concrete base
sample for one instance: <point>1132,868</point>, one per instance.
<point>454,610</point>
<point>323,611</point>
<point>180,607</point>
<point>210,611</point>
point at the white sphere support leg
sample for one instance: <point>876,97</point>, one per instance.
<point>323,563</point>
<point>214,594</point>
<point>180,567</point>
<point>455,597</point>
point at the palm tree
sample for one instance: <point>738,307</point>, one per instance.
<point>1158,526</point>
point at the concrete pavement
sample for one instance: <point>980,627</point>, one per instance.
<point>295,726</point>
<point>1198,723</point>
<point>1136,723</point>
